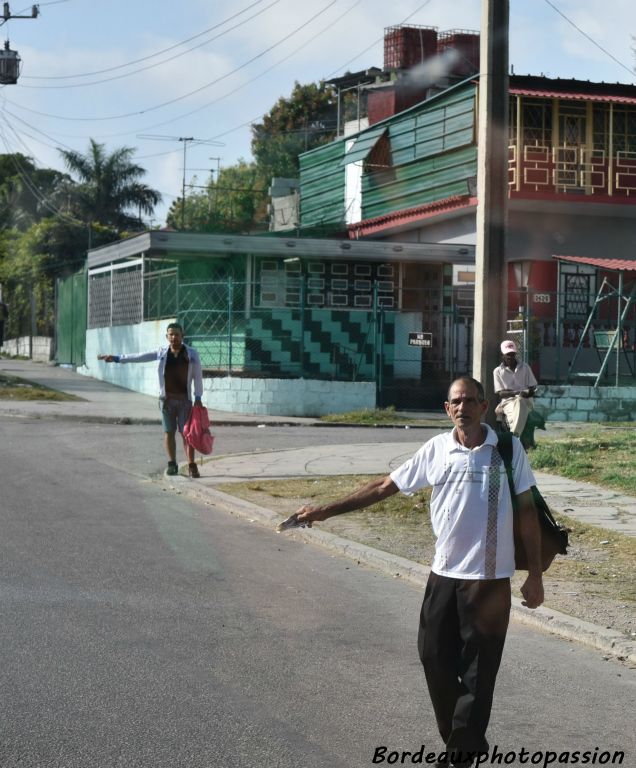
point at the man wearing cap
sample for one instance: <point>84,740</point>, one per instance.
<point>515,385</point>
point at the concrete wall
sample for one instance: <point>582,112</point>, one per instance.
<point>276,397</point>
<point>584,403</point>
<point>287,397</point>
<point>38,348</point>
<point>122,339</point>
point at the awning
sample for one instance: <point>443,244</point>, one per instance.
<point>567,95</point>
<point>363,145</point>
<point>617,265</point>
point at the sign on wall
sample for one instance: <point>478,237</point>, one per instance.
<point>421,339</point>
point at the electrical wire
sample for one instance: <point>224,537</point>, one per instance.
<point>185,95</point>
<point>244,85</point>
<point>588,37</point>
<point>158,64</point>
<point>340,68</point>
<point>28,181</point>
<point>143,58</point>
<point>375,42</point>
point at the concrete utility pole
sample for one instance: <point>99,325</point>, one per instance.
<point>491,285</point>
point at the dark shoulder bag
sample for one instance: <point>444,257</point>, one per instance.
<point>554,537</point>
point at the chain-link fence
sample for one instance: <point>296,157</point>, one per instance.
<point>409,336</point>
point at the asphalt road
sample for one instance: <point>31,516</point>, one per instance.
<point>142,629</point>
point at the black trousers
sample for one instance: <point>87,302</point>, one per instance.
<point>463,625</point>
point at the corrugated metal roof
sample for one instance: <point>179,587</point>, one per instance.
<point>363,145</point>
<point>547,93</point>
<point>619,265</point>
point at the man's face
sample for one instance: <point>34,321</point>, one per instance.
<point>510,359</point>
<point>464,406</point>
<point>175,337</point>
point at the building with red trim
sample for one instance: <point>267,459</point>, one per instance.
<point>410,177</point>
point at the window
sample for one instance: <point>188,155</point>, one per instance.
<point>537,123</point>
<point>578,287</point>
<point>339,284</point>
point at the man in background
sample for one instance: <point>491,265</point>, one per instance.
<point>179,370</point>
<point>515,385</point>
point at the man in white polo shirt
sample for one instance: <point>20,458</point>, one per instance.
<point>464,616</point>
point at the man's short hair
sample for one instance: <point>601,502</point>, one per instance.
<point>176,326</point>
<point>469,380</point>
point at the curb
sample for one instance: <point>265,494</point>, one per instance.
<point>249,421</point>
<point>612,644</point>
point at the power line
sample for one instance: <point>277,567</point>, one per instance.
<point>588,37</point>
<point>30,184</point>
<point>375,42</point>
<point>143,58</point>
<point>151,66</point>
<point>185,95</point>
<point>327,28</point>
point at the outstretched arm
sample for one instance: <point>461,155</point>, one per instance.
<point>136,357</point>
<point>371,493</point>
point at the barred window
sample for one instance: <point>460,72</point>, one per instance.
<point>115,297</point>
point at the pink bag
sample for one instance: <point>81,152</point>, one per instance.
<point>197,430</point>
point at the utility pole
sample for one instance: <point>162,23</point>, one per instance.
<point>9,60</point>
<point>491,284</point>
<point>216,186</point>
<point>6,13</point>
<point>185,140</point>
<point>218,167</point>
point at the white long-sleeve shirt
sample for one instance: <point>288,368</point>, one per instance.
<point>195,373</point>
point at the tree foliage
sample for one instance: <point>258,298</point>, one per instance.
<point>48,222</point>
<point>235,202</point>
<point>28,193</point>
<point>295,125</point>
<point>109,187</point>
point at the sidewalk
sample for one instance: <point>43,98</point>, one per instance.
<point>105,402</point>
<point>102,401</point>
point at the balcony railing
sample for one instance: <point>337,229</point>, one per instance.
<point>534,169</point>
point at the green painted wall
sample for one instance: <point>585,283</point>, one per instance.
<point>70,321</point>
<point>433,154</point>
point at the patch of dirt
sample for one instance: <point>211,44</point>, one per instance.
<point>587,583</point>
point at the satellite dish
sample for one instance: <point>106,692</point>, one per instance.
<point>9,65</point>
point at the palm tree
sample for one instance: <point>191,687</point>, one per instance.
<point>109,186</point>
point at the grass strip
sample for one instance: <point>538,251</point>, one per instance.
<point>15,388</point>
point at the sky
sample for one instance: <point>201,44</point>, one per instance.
<point>119,72</point>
